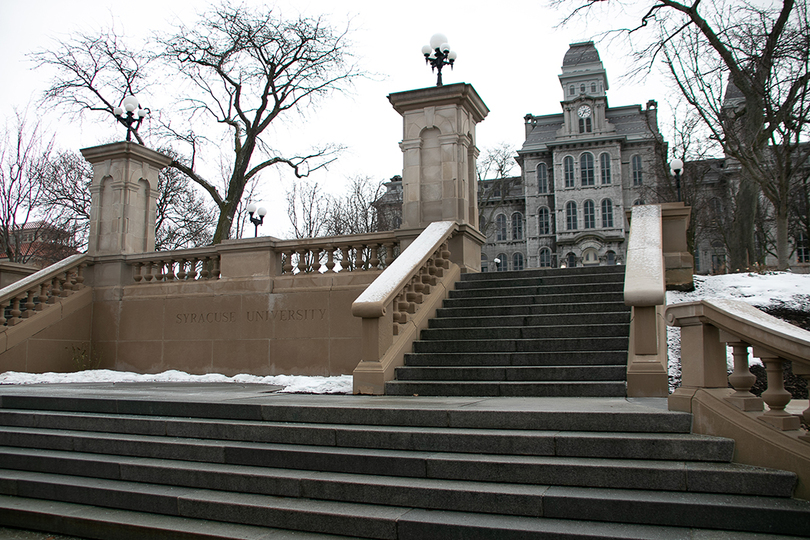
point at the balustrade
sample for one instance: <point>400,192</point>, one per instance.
<point>24,299</point>
<point>348,256</point>
<point>176,266</point>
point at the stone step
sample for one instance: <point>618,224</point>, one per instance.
<point>85,521</point>
<point>522,345</point>
<point>699,477</point>
<point>667,446</point>
<point>599,272</point>
<point>520,300</point>
<point>591,331</point>
<point>529,309</point>
<point>565,358</point>
<point>617,280</point>
<point>597,414</point>
<point>463,387</point>
<point>557,319</point>
<point>511,373</point>
<point>593,289</point>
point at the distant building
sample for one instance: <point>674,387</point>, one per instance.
<point>38,244</point>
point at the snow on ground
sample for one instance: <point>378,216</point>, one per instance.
<point>773,289</point>
<point>768,290</point>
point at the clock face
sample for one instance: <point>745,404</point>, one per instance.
<point>584,111</point>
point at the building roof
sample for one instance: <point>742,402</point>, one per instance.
<point>581,53</point>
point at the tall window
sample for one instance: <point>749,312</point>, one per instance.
<point>545,258</point>
<point>571,90</point>
<point>543,221</point>
<point>585,125</point>
<point>604,167</point>
<point>586,169</point>
<point>589,215</point>
<point>503,265</point>
<point>638,178</point>
<point>607,214</point>
<point>593,87</point>
<point>582,88</point>
<point>571,216</point>
<point>568,171</point>
<point>571,260</point>
<point>802,248</point>
<point>517,226</point>
<point>484,263</point>
<point>517,261</point>
<point>610,258</point>
<point>500,228</point>
<point>542,178</point>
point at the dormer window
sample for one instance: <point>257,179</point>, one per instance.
<point>593,88</point>
<point>582,88</point>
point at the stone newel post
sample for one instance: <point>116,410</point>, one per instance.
<point>124,190</point>
<point>438,175</point>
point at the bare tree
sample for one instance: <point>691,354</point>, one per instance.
<point>249,69</point>
<point>744,67</point>
<point>355,211</point>
<point>24,156</point>
<point>243,70</point>
<point>308,209</point>
<point>495,186</point>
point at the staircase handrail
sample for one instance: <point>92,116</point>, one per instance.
<point>372,302</point>
<point>45,286</point>
<point>645,283</point>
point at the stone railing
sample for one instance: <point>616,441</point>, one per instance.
<point>645,291</point>
<point>24,299</point>
<point>709,326</point>
<point>397,305</point>
<point>373,251</point>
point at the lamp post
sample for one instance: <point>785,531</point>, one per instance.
<point>130,113</point>
<point>676,167</point>
<point>261,212</point>
<point>438,55</point>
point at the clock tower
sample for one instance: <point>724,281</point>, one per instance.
<point>584,84</point>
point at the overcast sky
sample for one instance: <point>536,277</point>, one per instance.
<point>511,54</point>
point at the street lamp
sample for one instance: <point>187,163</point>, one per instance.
<point>676,167</point>
<point>261,211</point>
<point>130,113</point>
<point>438,55</point>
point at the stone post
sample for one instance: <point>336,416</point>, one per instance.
<point>439,180</point>
<point>123,191</point>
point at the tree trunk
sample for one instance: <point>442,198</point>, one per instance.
<point>741,237</point>
<point>782,247</point>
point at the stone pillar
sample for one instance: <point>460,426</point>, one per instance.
<point>124,190</point>
<point>679,263</point>
<point>439,180</point>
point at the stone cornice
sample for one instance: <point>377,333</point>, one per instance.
<point>460,94</point>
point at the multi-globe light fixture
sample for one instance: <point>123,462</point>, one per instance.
<point>438,55</point>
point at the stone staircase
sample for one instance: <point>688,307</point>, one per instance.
<point>551,332</point>
<point>122,463</point>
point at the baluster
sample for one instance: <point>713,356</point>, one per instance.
<point>389,253</point>
<point>374,260</point>
<point>204,269</point>
<point>63,290</point>
<point>330,258</point>
<point>776,396</point>
<point>192,273</point>
<point>80,277</point>
<point>137,272</point>
<point>3,306</point>
<point>148,276</point>
<point>15,311</point>
<point>287,266</point>
<point>29,304</point>
<point>215,267</point>
<point>359,263</point>
<point>181,269</point>
<point>160,273</point>
<point>803,371</point>
<point>67,283</point>
<point>43,296</point>
<point>316,260</point>
<point>414,294</point>
<point>55,290</point>
<point>741,379</point>
<point>170,269</point>
<point>302,260</point>
<point>345,262</point>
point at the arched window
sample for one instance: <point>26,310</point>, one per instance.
<point>484,263</point>
<point>542,178</point>
<point>571,216</point>
<point>545,258</point>
<point>571,90</point>
<point>607,214</point>
<point>638,202</point>
<point>638,177</point>
<point>589,215</point>
<point>593,87</point>
<point>568,171</point>
<point>582,88</point>
<point>517,261</point>
<point>571,260</point>
<point>716,209</point>
<point>500,228</point>
<point>610,258</point>
<point>586,169</point>
<point>502,263</point>
<point>517,226</point>
<point>397,222</point>
<point>604,167</point>
<point>543,221</point>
